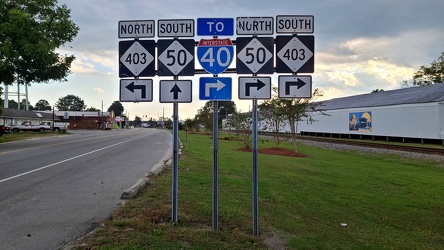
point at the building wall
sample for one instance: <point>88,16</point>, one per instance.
<point>409,120</point>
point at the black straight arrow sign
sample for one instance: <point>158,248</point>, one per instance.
<point>299,84</point>
<point>175,90</point>
<point>131,87</point>
<point>259,84</point>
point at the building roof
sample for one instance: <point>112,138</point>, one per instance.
<point>27,114</point>
<point>413,95</point>
<point>81,113</point>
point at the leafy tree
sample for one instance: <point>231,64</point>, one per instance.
<point>241,123</point>
<point>23,105</point>
<point>92,109</point>
<point>204,115</point>
<point>430,75</point>
<point>297,110</point>
<point>272,117</point>
<point>137,121</point>
<point>117,107</point>
<point>30,32</point>
<point>70,103</point>
<point>43,105</point>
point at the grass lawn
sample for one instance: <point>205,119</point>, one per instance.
<point>27,135</point>
<point>328,200</point>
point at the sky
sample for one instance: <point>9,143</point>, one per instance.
<point>360,46</point>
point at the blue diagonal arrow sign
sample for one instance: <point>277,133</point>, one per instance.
<point>215,88</point>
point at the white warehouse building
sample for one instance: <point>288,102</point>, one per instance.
<point>408,114</point>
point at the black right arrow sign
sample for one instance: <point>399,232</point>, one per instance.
<point>259,84</point>
<point>299,83</point>
<point>294,86</point>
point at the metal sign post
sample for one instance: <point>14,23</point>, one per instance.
<point>255,172</point>
<point>215,165</point>
<point>175,179</point>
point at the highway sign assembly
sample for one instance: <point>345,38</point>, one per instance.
<point>215,88</point>
<point>136,29</point>
<point>175,91</point>
<point>254,55</point>
<point>175,57</point>
<point>215,55</point>
<point>215,26</point>
<point>294,54</point>
<point>295,86</point>
<point>136,90</point>
<point>295,24</point>
<point>258,88</point>
<point>136,58</point>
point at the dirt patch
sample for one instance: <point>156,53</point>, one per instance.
<point>275,151</point>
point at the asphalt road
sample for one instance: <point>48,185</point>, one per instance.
<point>55,189</point>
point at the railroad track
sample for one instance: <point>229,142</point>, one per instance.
<point>408,148</point>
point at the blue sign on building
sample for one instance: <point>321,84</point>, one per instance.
<point>215,88</point>
<point>215,26</point>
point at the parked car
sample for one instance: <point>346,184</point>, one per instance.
<point>3,130</point>
<point>58,126</point>
<point>28,126</point>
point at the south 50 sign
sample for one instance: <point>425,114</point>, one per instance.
<point>215,55</point>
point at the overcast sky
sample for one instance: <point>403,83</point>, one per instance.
<point>359,45</point>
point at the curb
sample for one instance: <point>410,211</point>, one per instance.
<point>132,191</point>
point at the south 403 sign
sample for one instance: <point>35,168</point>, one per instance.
<point>215,55</point>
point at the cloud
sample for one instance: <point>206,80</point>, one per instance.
<point>99,90</point>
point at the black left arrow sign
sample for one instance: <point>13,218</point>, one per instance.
<point>259,84</point>
<point>175,90</point>
<point>131,87</point>
<point>299,83</point>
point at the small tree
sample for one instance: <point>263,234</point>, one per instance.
<point>297,110</point>
<point>241,122</point>
<point>271,116</point>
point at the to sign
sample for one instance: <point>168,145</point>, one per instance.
<point>137,58</point>
<point>176,28</point>
<point>215,55</point>
<point>215,26</point>
<point>295,24</point>
<point>215,88</point>
<point>254,26</point>
<point>175,91</point>
<point>136,90</point>
<point>136,29</point>
<point>294,86</point>
<point>255,88</point>
<point>176,57</point>
<point>295,54</point>
<point>254,55</point>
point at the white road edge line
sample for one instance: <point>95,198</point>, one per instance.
<point>69,159</point>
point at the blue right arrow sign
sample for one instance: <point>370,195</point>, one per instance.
<point>215,88</point>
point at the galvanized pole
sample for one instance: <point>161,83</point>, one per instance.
<point>255,172</point>
<point>175,177</point>
<point>215,165</point>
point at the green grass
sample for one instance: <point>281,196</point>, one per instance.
<point>27,135</point>
<point>387,202</point>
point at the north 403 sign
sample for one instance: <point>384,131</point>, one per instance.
<point>294,54</point>
<point>136,58</point>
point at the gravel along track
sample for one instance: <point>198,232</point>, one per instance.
<point>372,150</point>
